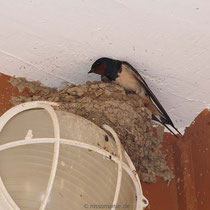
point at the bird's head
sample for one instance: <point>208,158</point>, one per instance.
<point>100,66</point>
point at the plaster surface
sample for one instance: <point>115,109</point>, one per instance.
<point>168,42</point>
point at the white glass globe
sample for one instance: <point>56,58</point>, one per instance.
<point>57,160</point>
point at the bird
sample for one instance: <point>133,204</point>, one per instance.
<point>125,75</point>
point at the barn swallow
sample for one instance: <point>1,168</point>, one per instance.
<point>125,75</point>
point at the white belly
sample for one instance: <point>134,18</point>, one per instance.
<point>126,78</point>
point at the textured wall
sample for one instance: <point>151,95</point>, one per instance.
<point>168,41</point>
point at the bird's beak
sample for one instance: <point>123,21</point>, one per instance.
<point>91,71</point>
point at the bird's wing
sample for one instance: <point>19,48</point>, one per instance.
<point>162,111</point>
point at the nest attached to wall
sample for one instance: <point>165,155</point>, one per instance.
<point>108,103</point>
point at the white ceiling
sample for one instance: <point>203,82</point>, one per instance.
<point>167,41</point>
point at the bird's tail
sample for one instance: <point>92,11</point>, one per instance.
<point>164,123</point>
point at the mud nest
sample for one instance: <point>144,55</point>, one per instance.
<point>108,103</point>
